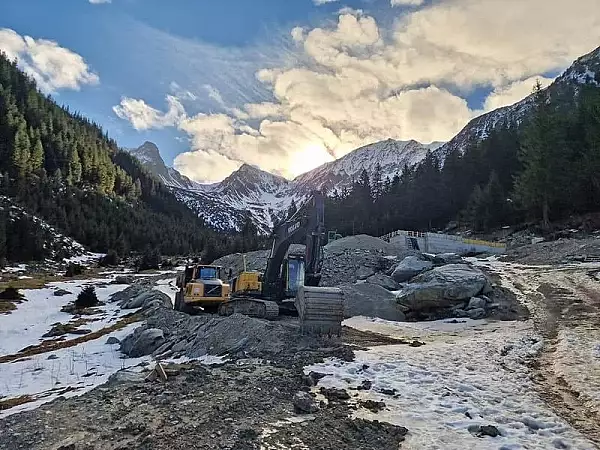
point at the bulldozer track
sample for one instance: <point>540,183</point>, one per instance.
<point>252,307</point>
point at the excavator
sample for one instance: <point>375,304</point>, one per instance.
<point>290,282</point>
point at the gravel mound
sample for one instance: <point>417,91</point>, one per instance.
<point>256,260</point>
<point>196,336</point>
<point>347,266</point>
<point>364,242</point>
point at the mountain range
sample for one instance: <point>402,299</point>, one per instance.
<point>267,197</point>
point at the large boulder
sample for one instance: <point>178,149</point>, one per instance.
<point>447,258</point>
<point>410,267</point>
<point>142,342</point>
<point>363,272</point>
<point>147,299</point>
<point>304,403</point>
<point>371,300</point>
<point>384,281</point>
<point>443,287</point>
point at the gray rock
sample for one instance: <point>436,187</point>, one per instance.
<point>123,279</point>
<point>460,313</point>
<point>147,299</point>
<point>142,342</point>
<point>476,314</point>
<point>112,340</point>
<point>127,294</point>
<point>447,258</point>
<point>384,281</point>
<point>443,287</point>
<point>61,292</point>
<point>304,403</point>
<point>51,357</point>
<point>410,267</point>
<point>362,273</point>
<point>476,303</point>
<point>484,430</point>
<point>371,300</point>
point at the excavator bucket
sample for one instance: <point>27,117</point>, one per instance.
<point>320,310</point>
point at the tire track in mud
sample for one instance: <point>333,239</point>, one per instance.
<point>563,299</point>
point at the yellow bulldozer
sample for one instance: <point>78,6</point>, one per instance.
<point>201,286</point>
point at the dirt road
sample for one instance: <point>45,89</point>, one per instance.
<point>565,304</point>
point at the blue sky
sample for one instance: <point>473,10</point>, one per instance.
<point>287,85</point>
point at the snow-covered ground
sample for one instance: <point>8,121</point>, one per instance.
<point>66,372</point>
<point>86,258</point>
<point>75,369</point>
<point>41,309</point>
<point>578,361</point>
<point>468,373</point>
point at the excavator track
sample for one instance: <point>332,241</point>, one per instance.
<point>251,307</point>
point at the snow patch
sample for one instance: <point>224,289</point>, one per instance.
<point>67,372</point>
<point>468,373</point>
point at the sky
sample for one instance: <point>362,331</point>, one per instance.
<point>287,85</point>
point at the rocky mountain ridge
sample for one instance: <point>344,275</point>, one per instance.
<point>584,71</point>
<point>266,197</point>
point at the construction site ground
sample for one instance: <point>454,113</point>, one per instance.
<point>454,384</point>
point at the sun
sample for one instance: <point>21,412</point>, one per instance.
<point>309,158</point>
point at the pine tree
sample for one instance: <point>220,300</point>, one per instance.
<point>21,151</point>
<point>37,156</point>
<point>543,183</point>
<point>75,169</point>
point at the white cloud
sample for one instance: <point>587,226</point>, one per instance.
<point>407,2</point>
<point>508,95</point>
<point>354,82</point>
<point>322,2</point>
<point>53,67</point>
<point>143,117</point>
<point>99,2</point>
<point>206,165</point>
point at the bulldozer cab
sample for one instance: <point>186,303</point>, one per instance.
<point>202,272</point>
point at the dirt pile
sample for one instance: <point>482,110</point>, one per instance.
<point>241,405</point>
<point>364,242</point>
<point>170,334</point>
<point>556,252</point>
<point>256,260</point>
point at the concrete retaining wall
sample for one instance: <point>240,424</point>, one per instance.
<point>442,243</point>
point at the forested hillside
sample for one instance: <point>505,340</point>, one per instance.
<point>545,168</point>
<point>65,170</point>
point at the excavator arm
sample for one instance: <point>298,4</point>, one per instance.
<point>307,226</point>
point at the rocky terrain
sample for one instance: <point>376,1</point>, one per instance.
<point>382,280</point>
<point>203,381</point>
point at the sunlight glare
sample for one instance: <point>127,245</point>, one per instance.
<point>311,157</point>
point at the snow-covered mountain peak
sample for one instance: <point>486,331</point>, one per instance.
<point>585,70</point>
<point>391,156</point>
<point>251,181</point>
<point>149,155</point>
<point>265,196</point>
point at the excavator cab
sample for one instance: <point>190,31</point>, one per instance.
<point>293,275</point>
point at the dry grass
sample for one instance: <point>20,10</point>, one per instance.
<point>6,307</point>
<point>53,345</point>
<point>15,401</point>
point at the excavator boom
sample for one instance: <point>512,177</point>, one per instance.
<point>320,309</point>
